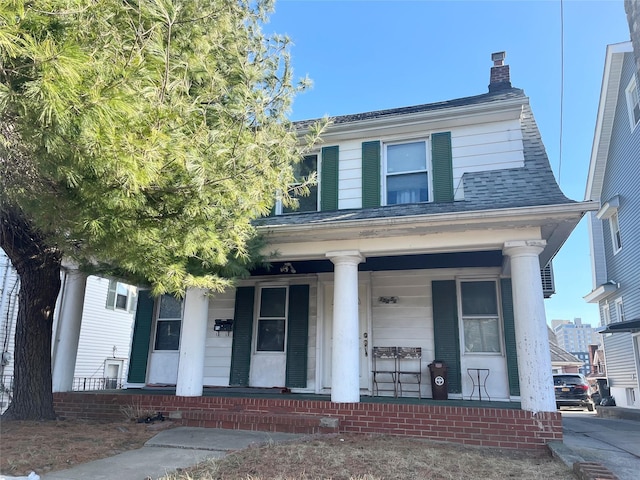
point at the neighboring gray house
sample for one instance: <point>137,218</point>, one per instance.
<point>614,182</point>
<point>428,229</point>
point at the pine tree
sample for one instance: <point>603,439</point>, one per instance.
<point>140,137</point>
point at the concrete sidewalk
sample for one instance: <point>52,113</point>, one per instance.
<point>170,449</point>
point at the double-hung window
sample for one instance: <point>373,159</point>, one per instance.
<point>272,319</point>
<point>619,310</point>
<point>633,102</point>
<point>168,323</point>
<point>406,175</point>
<point>302,171</point>
<point>614,226</point>
<point>121,296</point>
<point>480,316</point>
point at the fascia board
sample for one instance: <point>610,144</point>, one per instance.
<point>604,119</point>
<point>440,119</point>
<point>446,221</point>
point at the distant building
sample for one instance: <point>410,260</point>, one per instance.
<point>575,337</point>
<point>561,360</point>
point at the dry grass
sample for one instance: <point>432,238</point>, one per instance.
<point>357,457</point>
<point>56,445</point>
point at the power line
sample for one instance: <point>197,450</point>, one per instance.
<point>561,87</point>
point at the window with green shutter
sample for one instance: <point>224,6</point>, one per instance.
<point>242,337</point>
<point>329,179</point>
<point>141,338</point>
<point>445,330</point>
<point>370,174</point>
<point>441,159</point>
<point>297,336</point>
<point>509,336</point>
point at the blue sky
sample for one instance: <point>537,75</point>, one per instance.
<point>371,55</point>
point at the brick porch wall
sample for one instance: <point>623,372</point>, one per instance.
<point>489,427</point>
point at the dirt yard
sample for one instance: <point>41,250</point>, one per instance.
<point>55,445</point>
<point>50,446</point>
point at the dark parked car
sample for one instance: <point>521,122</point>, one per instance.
<point>572,390</point>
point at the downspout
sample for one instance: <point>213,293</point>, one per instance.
<point>4,326</point>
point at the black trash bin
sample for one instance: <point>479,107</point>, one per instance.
<point>439,384</point>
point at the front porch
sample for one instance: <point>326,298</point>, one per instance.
<point>490,424</point>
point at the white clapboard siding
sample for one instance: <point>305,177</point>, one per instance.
<point>217,362</point>
<point>350,175</point>
<point>217,357</point>
<point>105,334</point>
<point>475,148</point>
<point>9,285</point>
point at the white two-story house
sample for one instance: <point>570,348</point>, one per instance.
<point>428,228</point>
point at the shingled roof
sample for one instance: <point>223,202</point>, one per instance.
<point>531,185</point>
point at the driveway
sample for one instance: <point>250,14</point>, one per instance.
<point>613,442</point>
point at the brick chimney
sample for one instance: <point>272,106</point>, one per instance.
<point>500,78</point>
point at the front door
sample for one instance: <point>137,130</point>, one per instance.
<point>327,334</point>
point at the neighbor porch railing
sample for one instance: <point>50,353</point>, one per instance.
<point>80,384</point>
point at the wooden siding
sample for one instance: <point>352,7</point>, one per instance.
<point>217,361</point>
<point>490,146</point>
<point>104,333</point>
<point>217,357</point>
<point>101,330</point>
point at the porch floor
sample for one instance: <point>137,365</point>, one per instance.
<point>276,393</point>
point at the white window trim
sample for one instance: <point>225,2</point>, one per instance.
<point>157,318</point>
<point>619,306</point>
<point>614,221</point>
<point>112,296</point>
<point>629,93</point>
<point>258,317</point>
<point>459,281</point>
<point>278,207</point>
<point>384,174</point>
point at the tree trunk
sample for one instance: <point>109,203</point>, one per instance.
<point>38,266</point>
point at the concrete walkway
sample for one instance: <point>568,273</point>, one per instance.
<point>179,447</point>
<point>613,442</point>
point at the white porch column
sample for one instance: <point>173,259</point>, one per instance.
<point>532,339</point>
<point>345,360</point>
<point>193,335</point>
<point>67,337</point>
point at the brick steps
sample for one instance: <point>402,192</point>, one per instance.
<point>592,471</point>
<point>260,421</point>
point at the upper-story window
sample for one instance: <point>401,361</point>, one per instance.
<point>406,172</point>
<point>121,296</point>
<point>302,171</point>
<point>619,310</point>
<point>614,226</point>
<point>633,102</point>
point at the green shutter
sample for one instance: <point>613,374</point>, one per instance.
<point>370,174</point>
<point>297,336</point>
<point>329,179</point>
<point>141,338</point>
<point>242,330</point>
<point>441,160</point>
<point>446,334</point>
<point>510,336</point>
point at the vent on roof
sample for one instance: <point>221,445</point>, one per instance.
<point>548,285</point>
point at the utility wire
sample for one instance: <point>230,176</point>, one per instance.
<point>561,87</point>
